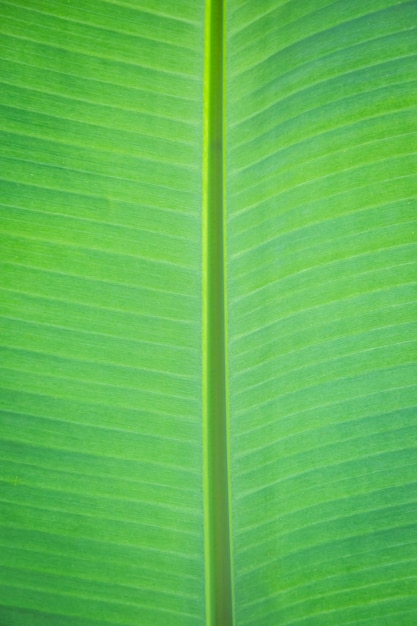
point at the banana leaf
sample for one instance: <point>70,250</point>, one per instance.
<point>208,313</point>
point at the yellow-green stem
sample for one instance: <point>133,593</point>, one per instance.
<point>217,547</point>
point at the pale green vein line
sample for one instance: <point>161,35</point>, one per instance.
<point>93,126</point>
<point>69,395</point>
<point>94,515</point>
<point>252,407</point>
<point>268,13</point>
<point>319,594</point>
<point>342,534</point>
<point>333,342</point>
<point>342,358</point>
<point>62,168</point>
<point>326,26</point>
<point>102,80</point>
<point>397,614</point>
<point>383,456</point>
<point>99,428</point>
<point>408,83</point>
<point>319,82</point>
<point>36,611</point>
<point>145,9</point>
<point>90,334</point>
<point>322,335</point>
<point>83,472</point>
<point>23,368</point>
<point>90,102</point>
<point>368,159</point>
<point>119,59</point>
<point>108,542</point>
<point>89,307</point>
<point>103,251</point>
<point>306,288</point>
<point>330,405</point>
<point>401,527</point>
<point>133,286</point>
<point>99,27</point>
<point>41,554</point>
<point>85,596</point>
<point>103,497</point>
<point>284,233</point>
<point>95,455</point>
<point>317,576</point>
<point>40,569</point>
<point>381,291</point>
<point>90,221</point>
<point>385,600</point>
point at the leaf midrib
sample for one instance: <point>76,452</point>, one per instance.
<point>216,479</point>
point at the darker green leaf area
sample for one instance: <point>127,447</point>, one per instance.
<point>322,316</point>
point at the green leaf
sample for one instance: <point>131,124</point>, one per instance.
<point>321,213</point>
<point>165,383</point>
<point>101,406</point>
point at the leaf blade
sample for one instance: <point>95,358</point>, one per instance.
<point>102,507</point>
<point>321,191</point>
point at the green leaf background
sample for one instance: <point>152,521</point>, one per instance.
<point>322,320</point>
<point>101,277</point>
<point>103,441</point>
